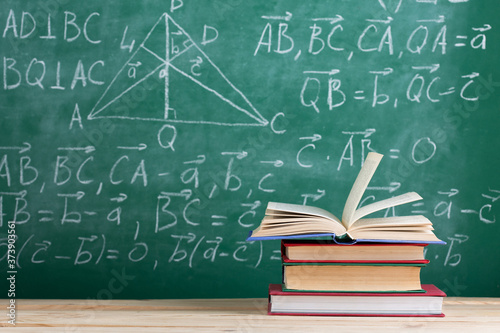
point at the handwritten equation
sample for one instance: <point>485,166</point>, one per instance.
<point>190,209</point>
<point>156,143</point>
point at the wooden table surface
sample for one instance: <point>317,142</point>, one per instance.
<point>234,315</point>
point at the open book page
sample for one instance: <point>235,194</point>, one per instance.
<point>278,208</point>
<point>394,223</point>
<point>277,219</point>
<point>418,236</point>
<point>389,228</point>
<point>383,204</point>
<point>292,227</point>
<point>358,189</point>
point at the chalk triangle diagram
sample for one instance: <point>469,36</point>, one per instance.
<point>170,69</point>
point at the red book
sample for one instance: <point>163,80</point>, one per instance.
<point>428,304</point>
<point>304,251</point>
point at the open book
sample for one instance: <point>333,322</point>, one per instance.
<point>296,221</point>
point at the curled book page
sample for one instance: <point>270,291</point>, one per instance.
<point>275,208</point>
<point>387,203</point>
<point>358,189</point>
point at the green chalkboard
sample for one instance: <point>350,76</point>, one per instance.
<point>141,141</point>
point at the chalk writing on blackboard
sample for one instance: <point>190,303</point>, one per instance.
<point>169,53</point>
<point>105,159</point>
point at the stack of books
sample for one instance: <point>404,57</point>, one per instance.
<point>367,267</point>
<point>325,278</point>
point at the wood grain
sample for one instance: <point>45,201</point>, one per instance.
<point>234,315</point>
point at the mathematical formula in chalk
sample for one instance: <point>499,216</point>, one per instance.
<point>153,137</point>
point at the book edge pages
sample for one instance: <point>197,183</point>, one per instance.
<point>385,222</point>
<point>300,209</point>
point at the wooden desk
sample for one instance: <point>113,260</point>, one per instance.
<point>235,315</point>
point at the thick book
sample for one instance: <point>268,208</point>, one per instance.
<point>428,304</point>
<point>284,220</point>
<point>351,277</point>
<point>329,252</point>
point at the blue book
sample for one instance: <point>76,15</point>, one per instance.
<point>342,240</point>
